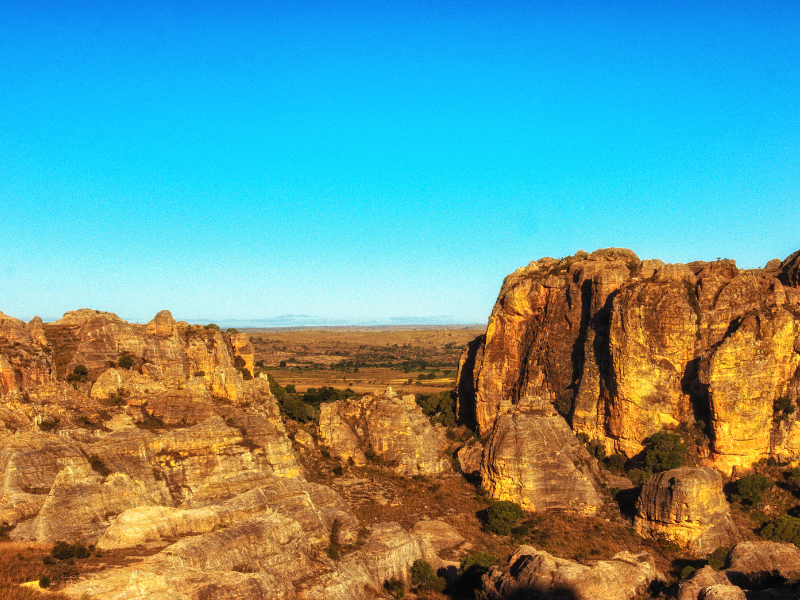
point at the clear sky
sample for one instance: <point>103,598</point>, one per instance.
<point>362,162</point>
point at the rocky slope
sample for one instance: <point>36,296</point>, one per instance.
<point>624,348</point>
<point>392,428</point>
<point>180,451</point>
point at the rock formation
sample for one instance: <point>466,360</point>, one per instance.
<point>394,428</point>
<point>771,568</point>
<point>535,460</point>
<point>624,348</point>
<point>184,451</point>
<point>537,574</point>
<point>686,506</point>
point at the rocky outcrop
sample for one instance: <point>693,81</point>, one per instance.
<point>536,574</point>
<point>392,427</point>
<point>439,534</point>
<point>686,506</point>
<point>535,460</point>
<point>25,361</point>
<point>624,348</point>
<point>265,556</point>
<point>771,568</point>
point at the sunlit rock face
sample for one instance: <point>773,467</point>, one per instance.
<point>686,506</point>
<point>624,348</point>
<point>391,426</point>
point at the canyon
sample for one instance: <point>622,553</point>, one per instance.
<point>167,446</point>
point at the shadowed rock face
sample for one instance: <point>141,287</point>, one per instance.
<point>624,348</point>
<point>537,574</point>
<point>764,566</point>
<point>686,506</point>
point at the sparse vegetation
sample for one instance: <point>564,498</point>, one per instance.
<point>99,466</point>
<point>783,407</point>
<point>501,516</point>
<point>717,559</point>
<point>782,529</point>
<point>424,577</point>
<point>665,451</point>
<point>395,587</point>
<point>750,487</point>
<point>125,361</point>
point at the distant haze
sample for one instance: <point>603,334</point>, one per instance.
<point>356,163</point>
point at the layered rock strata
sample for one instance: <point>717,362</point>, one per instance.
<point>686,506</point>
<point>535,460</point>
<point>624,348</point>
<point>536,574</point>
<point>393,428</point>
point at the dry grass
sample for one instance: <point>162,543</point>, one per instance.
<point>20,563</point>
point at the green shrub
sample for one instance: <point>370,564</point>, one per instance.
<point>80,370</point>
<point>502,515</point>
<point>98,465</point>
<point>421,572</point>
<point>794,478</point>
<point>616,463</point>
<point>666,451</point>
<point>687,572</point>
<point>326,454</point>
<point>338,471</point>
<point>395,587</point>
<point>62,551</point>
<point>424,577</point>
<point>472,568</point>
<point>44,581</point>
<point>783,407</point>
<point>782,529</point>
<point>716,560</point>
<point>639,476</point>
<point>125,361</point>
<point>749,488</point>
<point>213,326</point>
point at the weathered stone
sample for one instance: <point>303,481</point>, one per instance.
<point>108,385</point>
<point>535,460</point>
<point>537,574</point>
<point>441,535</point>
<point>470,457</point>
<point>692,589</point>
<point>25,361</point>
<point>394,428</point>
<point>686,506</point>
<point>756,563</point>
<point>625,348</point>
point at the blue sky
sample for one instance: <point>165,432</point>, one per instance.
<point>321,162</point>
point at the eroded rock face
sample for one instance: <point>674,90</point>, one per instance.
<point>769,567</point>
<point>25,360</point>
<point>624,348</point>
<point>537,574</point>
<point>535,460</point>
<point>393,427</point>
<point>686,506</point>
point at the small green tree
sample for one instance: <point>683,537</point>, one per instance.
<point>395,587</point>
<point>125,361</point>
<point>502,515</point>
<point>782,529</point>
<point>716,560</point>
<point>665,452</point>
<point>749,488</point>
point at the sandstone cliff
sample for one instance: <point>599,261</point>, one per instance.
<point>393,428</point>
<point>624,348</point>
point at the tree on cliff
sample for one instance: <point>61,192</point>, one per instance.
<point>666,451</point>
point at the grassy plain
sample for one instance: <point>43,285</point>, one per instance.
<point>364,358</point>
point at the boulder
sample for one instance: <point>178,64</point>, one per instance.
<point>686,506</point>
<point>536,574</point>
<point>535,460</point>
